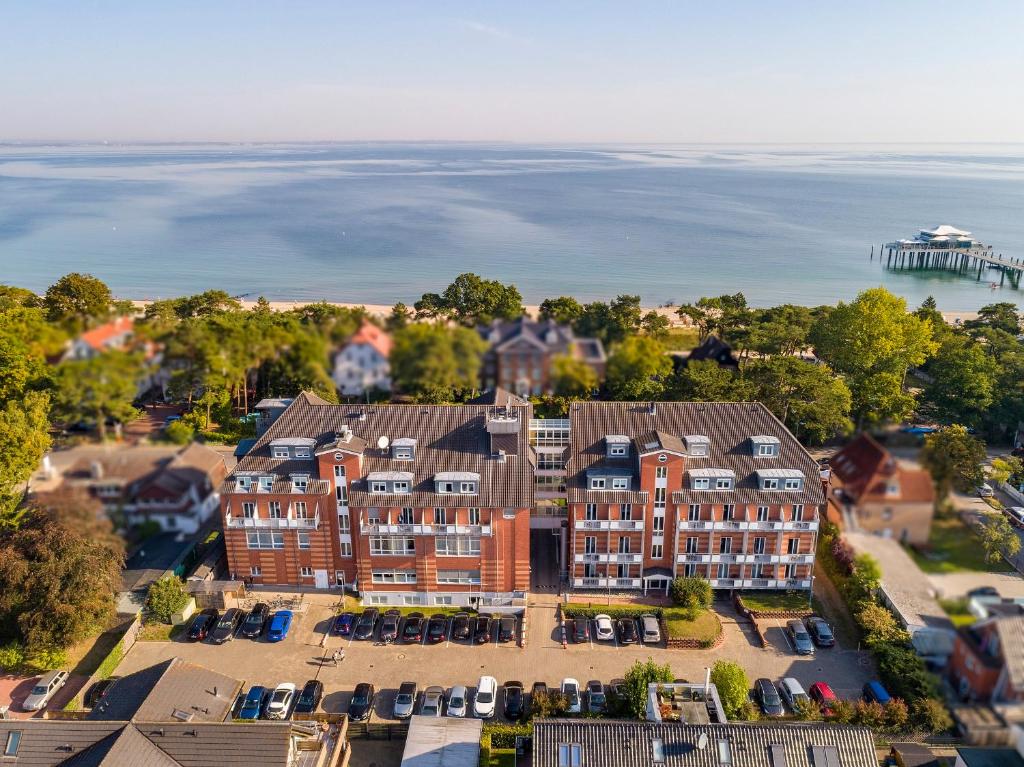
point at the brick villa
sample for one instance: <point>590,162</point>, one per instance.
<point>435,504</point>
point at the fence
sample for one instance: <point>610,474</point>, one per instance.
<point>378,730</point>
<point>110,662</point>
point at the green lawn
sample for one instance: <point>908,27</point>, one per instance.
<point>956,609</point>
<point>764,601</point>
<point>954,548</point>
<point>159,632</point>
<point>705,628</point>
<point>500,757</point>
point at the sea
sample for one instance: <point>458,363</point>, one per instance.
<point>378,223</point>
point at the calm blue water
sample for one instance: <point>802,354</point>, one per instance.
<point>380,223</point>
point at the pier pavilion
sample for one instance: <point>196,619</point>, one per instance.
<point>950,249</point>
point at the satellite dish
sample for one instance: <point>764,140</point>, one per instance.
<point>702,741</point>
<point>383,443</point>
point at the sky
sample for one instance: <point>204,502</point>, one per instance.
<point>561,72</point>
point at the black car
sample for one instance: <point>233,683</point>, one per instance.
<point>202,624</point>
<point>596,700</point>
<point>627,631</point>
<point>482,629</point>
<point>460,626</point>
<point>413,630</point>
<point>768,697</point>
<point>507,628</point>
<point>617,692</point>
<point>365,624</point>
<point>253,624</point>
<point>389,625</point>
<point>309,699</point>
<point>581,630</point>
<point>513,700</point>
<point>436,628</point>
<point>227,625</point>
<point>97,692</point>
<point>362,702</point>
<point>820,632</point>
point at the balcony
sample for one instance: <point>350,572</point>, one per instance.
<point>607,583</point>
<point>379,528</point>
<point>695,524</point>
<point>731,524</point>
<point>692,559</point>
<point>609,524</point>
<point>615,558</point>
<point>808,526</point>
<point>768,524</point>
<point>760,583</point>
<point>274,523</point>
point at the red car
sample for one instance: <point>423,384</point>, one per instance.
<point>822,694</point>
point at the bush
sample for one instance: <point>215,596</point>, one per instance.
<point>638,677</point>
<point>897,715</point>
<point>180,432</point>
<point>12,657</point>
<point>749,711</point>
<point>864,580</point>
<point>504,735</point>
<point>166,597</point>
<point>579,610</point>
<point>733,686</point>
<point>930,715</point>
<point>549,706</point>
<point>45,659</point>
<point>146,530</point>
<point>879,626</point>
<point>808,710</point>
<point>869,714</point>
<point>692,594</point>
<point>843,555</point>
<point>843,711</point>
<point>904,673</point>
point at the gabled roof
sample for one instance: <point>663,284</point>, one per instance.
<point>1011,642</point>
<point>373,336</point>
<point>866,470</point>
<point>545,335</point>
<point>715,349</point>
<point>100,338</point>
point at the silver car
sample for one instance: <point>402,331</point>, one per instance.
<point>44,689</point>
<point>433,701</point>
<point>651,629</point>
<point>405,700</point>
<point>799,638</point>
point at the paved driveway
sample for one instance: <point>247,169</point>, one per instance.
<point>300,656</point>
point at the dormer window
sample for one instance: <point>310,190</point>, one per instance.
<point>446,487</point>
<point>300,482</point>
<point>616,445</point>
<point>765,446</point>
<point>712,479</point>
<point>302,452</point>
<point>280,451</point>
<point>780,479</point>
<point>620,483</point>
<point>467,487</point>
<point>597,483</point>
<point>244,481</point>
<point>266,483</point>
<point>292,447</point>
<point>403,449</point>
<point>465,482</point>
<point>400,487</point>
<point>697,445</point>
<point>378,487</point>
<point>723,483</point>
<point>389,481</point>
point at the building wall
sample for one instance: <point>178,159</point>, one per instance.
<point>360,367</point>
<point>964,664</point>
<point>906,522</point>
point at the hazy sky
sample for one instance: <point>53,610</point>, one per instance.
<point>770,70</point>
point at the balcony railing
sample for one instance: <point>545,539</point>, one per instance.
<point>607,583</point>
<point>278,523</point>
<point>615,558</point>
<point>380,528</point>
<point>690,559</point>
<point>609,524</point>
<point>802,525</point>
<point>760,583</point>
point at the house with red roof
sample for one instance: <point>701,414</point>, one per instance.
<point>873,492</point>
<point>119,335</point>
<point>362,364</point>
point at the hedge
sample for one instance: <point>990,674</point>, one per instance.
<point>504,735</point>
<point>580,610</point>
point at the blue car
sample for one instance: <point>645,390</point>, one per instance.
<point>280,622</point>
<point>343,623</point>
<point>874,691</point>
<point>255,702</point>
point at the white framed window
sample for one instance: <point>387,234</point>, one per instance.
<point>659,497</point>
<point>794,483</point>
<point>590,545</point>
<point>248,510</point>
<point>701,483</point>
<point>620,483</point>
<point>570,755</point>
<point>410,600</point>
<point>446,487</point>
<point>661,472</point>
<point>458,577</point>
<point>474,516</point>
<point>728,511</point>
<point>345,548</point>
<point>725,546</point>
<point>378,487</point>
<point>393,576</point>
<point>793,546</point>
<point>377,599</point>
<point>762,513</point>
<point>302,452</point>
<point>798,512</point>
<point>280,451</point>
<point>344,522</point>
<point>723,483</point>
<point>766,449</point>
<point>299,510</point>
<point>392,545</point>
<point>305,572</point>
<point>597,483</point>
<point>759,545</point>
<point>769,483</point>
<point>339,577</point>
<point>657,551</point>
<point>303,540</point>
<point>693,514</point>
<point>440,517</point>
<point>467,487</point>
<point>256,571</point>
<point>266,483</point>
<point>626,511</point>
<point>442,600</point>
<point>400,487</point>
<point>591,511</point>
<point>274,509</point>
<point>264,539</point>
<point>405,516</point>
<point>457,545</point>
<point>617,450</point>
<point>659,524</point>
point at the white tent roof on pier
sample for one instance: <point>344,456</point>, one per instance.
<point>944,231</point>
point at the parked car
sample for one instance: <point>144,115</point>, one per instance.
<point>44,689</point>
<point>343,622</point>
<point>460,626</point>
<point>201,625</point>
<point>486,699</point>
<point>405,700</point>
<point>1015,514</point>
<point>984,490</point>
<point>365,624</point>
<point>277,628</point>
<point>792,692</point>
<point>413,631</point>
<point>97,691</point>
<point>822,694</point>
<point>983,591</point>
<point>437,628</point>
<point>507,628</point>
<point>616,691</point>
<point>514,697</point>
<point>581,630</point>
<point>433,701</point>
<point>768,697</point>
<point>597,702</point>
<point>820,632</point>
<point>570,688</point>
<point>627,631</point>
<point>389,625</point>
<point>280,704</point>
<point>253,624</point>
<point>361,705</point>
<point>458,701</point>
<point>227,626</point>
<point>651,629</point>
<point>255,700</point>
<point>482,629</point>
<point>799,638</point>
<point>603,629</point>
<point>309,697</point>
<point>875,691</point>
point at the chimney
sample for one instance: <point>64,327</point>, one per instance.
<point>96,470</point>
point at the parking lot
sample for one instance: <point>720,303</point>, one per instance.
<point>301,657</point>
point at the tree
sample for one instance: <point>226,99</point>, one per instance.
<point>808,398</point>
<point>180,432</point>
<point>780,330</point>
<point>24,439</point>
<point>693,594</point>
<point>401,315</point>
<point>611,322</point>
<point>59,585</point>
<point>897,715</point>
<point>1000,316</point>
<point>931,715</point>
<point>953,458</point>
<point>472,300</point>
<point>431,362</point>
<point>1008,469</point>
<point>864,580</point>
<point>166,597</point>
<point>879,625</point>
<point>77,300</point>
<point>549,705</point>
<point>732,684</point>
<point>872,342</point>
<point>655,325</point>
<point>565,310</point>
<point>807,710</point>
<point>639,676</point>
<point>98,389</point>
<point>82,514</point>
<point>963,380</point>
<point>998,539</point>
<point>638,369</point>
<point>724,314</point>
<point>572,377</point>
<point>707,381</point>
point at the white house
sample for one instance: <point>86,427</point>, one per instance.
<point>362,363</point>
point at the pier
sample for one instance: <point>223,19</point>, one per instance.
<point>947,248</point>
